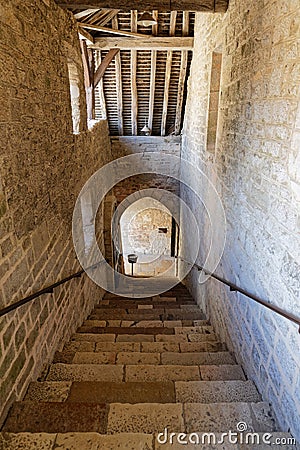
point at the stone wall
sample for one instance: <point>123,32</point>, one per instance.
<point>123,146</point>
<point>255,168</point>
<point>43,166</point>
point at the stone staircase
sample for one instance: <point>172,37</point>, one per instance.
<point>135,368</point>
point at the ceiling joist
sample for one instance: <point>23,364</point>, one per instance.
<point>112,31</point>
<point>149,43</point>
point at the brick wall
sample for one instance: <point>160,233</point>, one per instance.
<point>255,167</point>
<point>43,166</point>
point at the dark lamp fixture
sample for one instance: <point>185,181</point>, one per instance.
<point>146,20</point>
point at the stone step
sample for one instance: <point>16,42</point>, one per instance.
<point>140,337</point>
<point>141,323</point>
<point>215,417</point>
<point>201,358</point>
<point>145,328</point>
<point>123,441</point>
<point>57,417</point>
<point>148,314</point>
<point>126,330</point>
<point>138,357</point>
<point>216,391</point>
<point>143,392</point>
<point>126,304</point>
<point>63,417</point>
<point>187,358</point>
<point>101,392</point>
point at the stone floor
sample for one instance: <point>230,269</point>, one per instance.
<point>135,368</point>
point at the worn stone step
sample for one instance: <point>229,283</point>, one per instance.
<point>207,329</point>
<point>56,417</point>
<point>125,392</point>
<point>186,338</point>
<point>201,358</point>
<point>209,346</point>
<point>150,347</point>
<point>122,441</point>
<point>126,330</point>
<point>101,392</point>
<point>216,391</point>
<point>157,314</point>
<point>221,417</point>
<point>48,391</point>
<point>109,337</point>
<point>85,372</point>
<point>223,372</point>
<point>162,373</point>
<point>116,358</point>
<point>188,417</point>
<point>136,305</point>
<point>141,323</point>
<point>151,418</point>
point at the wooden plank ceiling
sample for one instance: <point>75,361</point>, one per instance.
<point>139,73</point>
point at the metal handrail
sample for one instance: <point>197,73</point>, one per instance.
<point>234,287</point>
<point>46,290</point>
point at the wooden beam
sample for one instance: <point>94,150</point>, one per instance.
<point>100,88</point>
<point>149,43</point>
<point>85,13</point>
<point>110,30</point>
<point>182,74</point>
<point>104,65</point>
<point>119,84</point>
<point>168,76</point>
<point>88,80</point>
<point>83,34</point>
<point>110,16</point>
<point>133,71</point>
<point>142,5</point>
<point>88,76</point>
<point>152,74</point>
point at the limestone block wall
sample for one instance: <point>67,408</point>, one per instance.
<point>43,166</point>
<point>128,145</point>
<point>254,165</point>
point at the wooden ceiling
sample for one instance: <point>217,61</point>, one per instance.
<point>135,75</point>
<point>160,5</point>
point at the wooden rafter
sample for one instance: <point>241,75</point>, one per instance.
<point>152,74</point>
<point>85,13</point>
<point>168,76</point>
<point>110,16</point>
<point>133,69</point>
<point>149,43</point>
<point>119,84</point>
<point>142,5</point>
<point>182,74</point>
<point>104,65</point>
<point>112,31</point>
